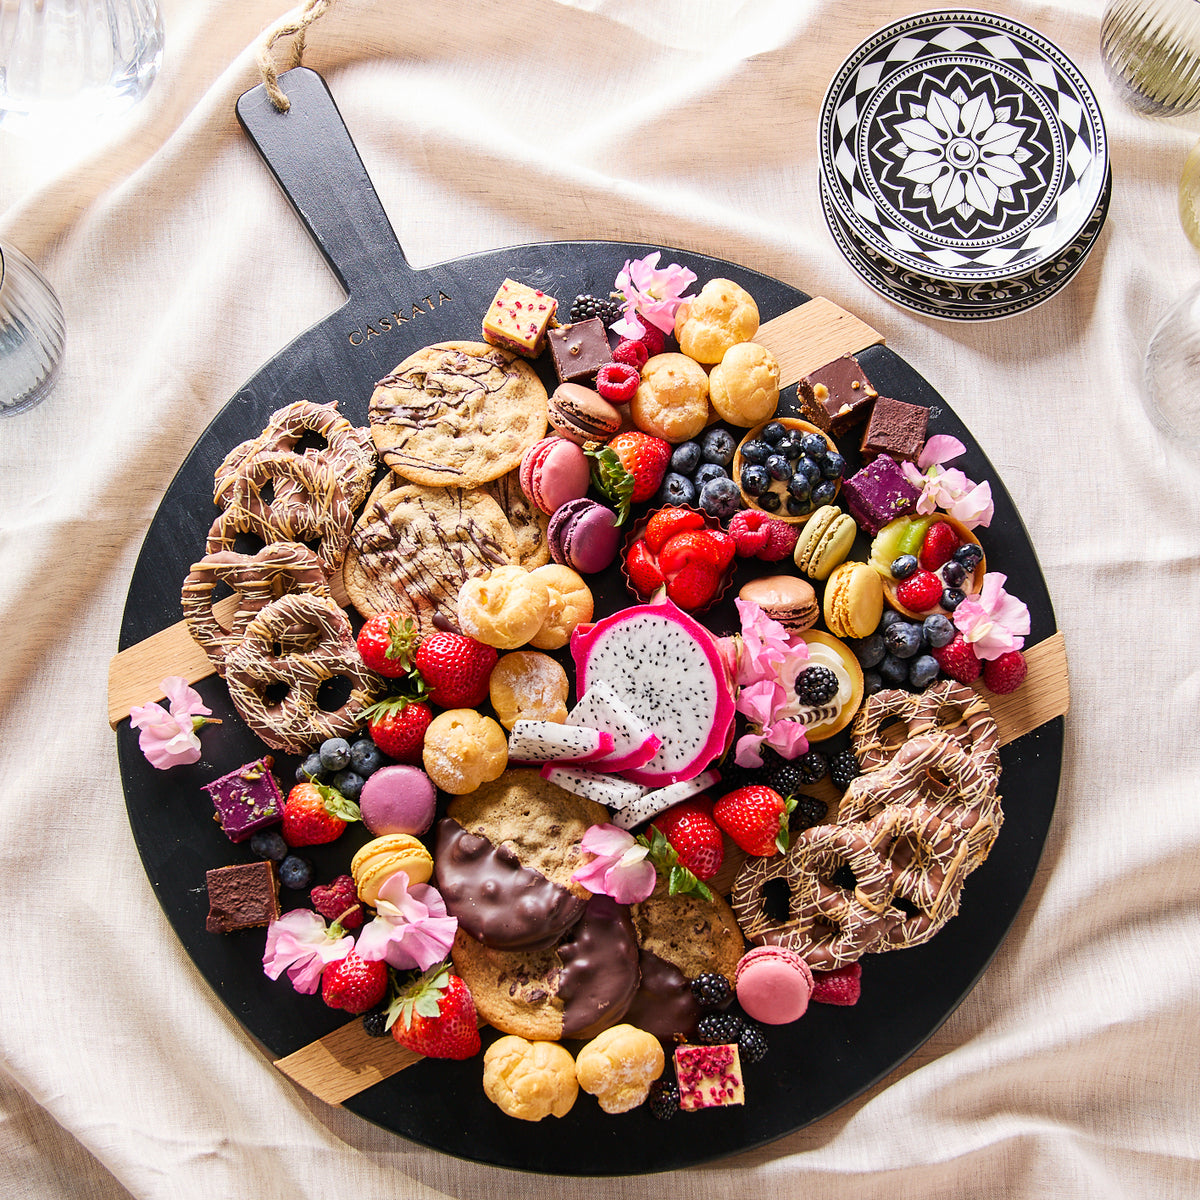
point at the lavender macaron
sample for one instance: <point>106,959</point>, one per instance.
<point>584,536</point>
<point>398,799</point>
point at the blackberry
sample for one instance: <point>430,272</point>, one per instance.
<point>816,685</point>
<point>734,777</point>
<point>786,779</point>
<point>719,1029</point>
<point>375,1023</point>
<point>813,766</point>
<point>663,1099</point>
<point>809,811</point>
<point>712,990</point>
<point>587,306</point>
<point>844,767</point>
<point>752,1043</point>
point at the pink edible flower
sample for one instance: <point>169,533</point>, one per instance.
<point>992,622</point>
<point>787,737</point>
<point>411,928</point>
<point>764,645</point>
<point>169,739</point>
<point>302,944</point>
<point>619,868</point>
<point>650,292</point>
<point>948,488</point>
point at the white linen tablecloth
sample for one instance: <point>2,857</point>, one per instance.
<point>1070,1070</point>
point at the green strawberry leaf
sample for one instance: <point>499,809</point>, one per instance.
<point>402,641</point>
<point>611,477</point>
<point>680,881</point>
<point>390,706</point>
<point>784,835</point>
<point>336,805</point>
<point>420,997</point>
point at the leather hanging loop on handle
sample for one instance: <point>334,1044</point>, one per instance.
<point>296,29</point>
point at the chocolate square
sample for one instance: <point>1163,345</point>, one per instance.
<point>709,1076</point>
<point>247,799</point>
<point>579,350</point>
<point>879,493</point>
<point>837,396</point>
<point>895,428</point>
<point>242,897</point>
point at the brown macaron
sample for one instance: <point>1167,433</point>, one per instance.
<point>784,598</point>
<point>582,415</point>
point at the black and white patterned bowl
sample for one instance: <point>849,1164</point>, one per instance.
<point>963,146</point>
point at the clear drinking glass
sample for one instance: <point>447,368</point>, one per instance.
<point>32,333</point>
<point>63,60</point>
<point>1171,369</point>
<point>1151,52</point>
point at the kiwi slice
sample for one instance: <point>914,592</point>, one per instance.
<point>904,535</point>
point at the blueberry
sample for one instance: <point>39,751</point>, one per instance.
<point>814,445</point>
<point>365,757</point>
<point>770,501</point>
<point>922,671</point>
<point>834,466</point>
<point>790,446</point>
<point>903,639</point>
<point>718,446</point>
<point>676,489</point>
<point>349,783</point>
<point>756,452</point>
<point>778,467</point>
<point>939,630</point>
<point>953,574</point>
<point>870,650</point>
<point>311,768</point>
<point>755,480</point>
<point>799,508</point>
<point>335,754</point>
<point>893,671</point>
<point>809,468</point>
<point>903,566</point>
<point>707,471</point>
<point>774,433</point>
<point>890,617</point>
<point>295,872</point>
<point>269,845</point>
<point>685,458</point>
<point>872,683</point>
<point>952,597</point>
<point>799,486</point>
<point>720,497</point>
<point>968,555</point>
<point>825,492</point>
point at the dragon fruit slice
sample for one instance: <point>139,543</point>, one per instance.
<point>659,800</point>
<point>548,741</point>
<point>634,742</point>
<point>609,790</point>
<point>668,669</point>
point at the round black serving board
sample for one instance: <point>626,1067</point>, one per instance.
<point>815,1065</point>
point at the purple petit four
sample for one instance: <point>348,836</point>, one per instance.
<point>247,799</point>
<point>879,493</point>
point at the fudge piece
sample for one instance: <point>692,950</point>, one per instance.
<point>518,318</point>
<point>879,493</point>
<point>579,350</point>
<point>709,1076</point>
<point>247,799</point>
<point>895,428</point>
<point>242,897</point>
<point>837,396</point>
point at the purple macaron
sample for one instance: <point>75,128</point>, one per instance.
<point>584,536</point>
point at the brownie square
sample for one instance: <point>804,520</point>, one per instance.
<point>579,350</point>
<point>247,799</point>
<point>242,897</point>
<point>837,396</point>
<point>895,428</point>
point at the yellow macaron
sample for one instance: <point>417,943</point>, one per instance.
<point>853,600</point>
<point>380,859</point>
<point>825,541</point>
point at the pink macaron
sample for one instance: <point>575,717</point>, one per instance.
<point>773,985</point>
<point>552,472</point>
<point>398,799</point>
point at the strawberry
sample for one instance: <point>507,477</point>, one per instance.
<point>645,457</point>
<point>666,522</point>
<point>315,814</point>
<point>749,531</point>
<point>386,644</point>
<point>643,570</point>
<point>693,585</point>
<point>397,725</point>
<point>939,546</point>
<point>690,828</point>
<point>617,382</point>
<point>843,985</point>
<point>681,880</point>
<point>920,592</point>
<point>756,817</point>
<point>435,1016</point>
<point>633,354</point>
<point>712,546</point>
<point>354,983</point>
<point>1006,673</point>
<point>338,901</point>
<point>957,659</point>
<point>456,669</point>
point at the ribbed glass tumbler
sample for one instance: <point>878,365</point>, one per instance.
<point>1151,52</point>
<point>32,333</point>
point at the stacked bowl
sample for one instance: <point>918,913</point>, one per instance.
<point>964,165</point>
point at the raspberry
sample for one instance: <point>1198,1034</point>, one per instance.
<point>617,382</point>
<point>749,532</point>
<point>586,306</point>
<point>920,592</point>
<point>939,546</point>
<point>841,986</point>
<point>781,540</point>
<point>1006,673</point>
<point>633,354</point>
<point>653,339</point>
<point>958,660</point>
<point>332,901</point>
